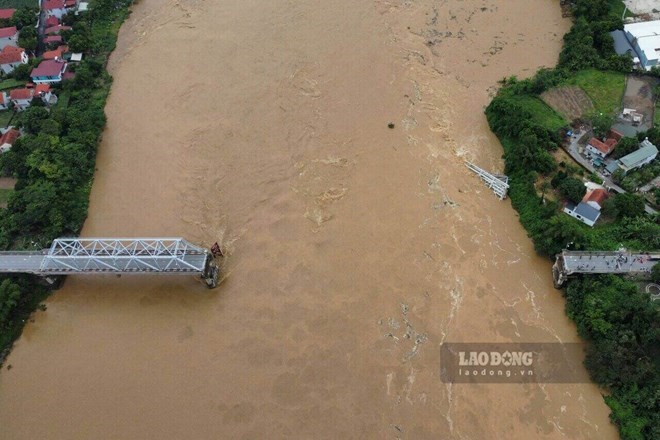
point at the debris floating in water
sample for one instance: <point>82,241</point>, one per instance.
<point>390,125</point>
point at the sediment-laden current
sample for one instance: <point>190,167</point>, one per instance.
<point>355,249</point>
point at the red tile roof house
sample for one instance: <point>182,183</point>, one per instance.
<point>52,21</point>
<point>22,98</point>
<point>44,92</point>
<point>6,14</point>
<point>601,149</point>
<point>55,8</point>
<point>55,54</point>
<point>48,71</point>
<point>7,140</point>
<point>595,198</point>
<point>53,39</point>
<point>57,29</point>
<point>10,57</point>
<point>8,37</point>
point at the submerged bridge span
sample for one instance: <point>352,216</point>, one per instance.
<point>160,256</point>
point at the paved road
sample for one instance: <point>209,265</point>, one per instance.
<point>21,262</point>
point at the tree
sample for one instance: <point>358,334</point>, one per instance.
<point>601,123</point>
<point>655,273</point>
<point>9,294</point>
<point>573,189</point>
<point>21,72</point>
<point>625,205</point>
<point>24,17</point>
<point>625,146</point>
<point>27,39</point>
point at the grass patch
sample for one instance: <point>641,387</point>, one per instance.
<point>11,83</point>
<point>604,88</point>
<point>541,112</point>
<point>17,3</point>
<point>5,117</point>
<point>656,113</point>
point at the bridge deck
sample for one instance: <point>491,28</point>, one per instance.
<point>606,262</point>
<point>21,262</point>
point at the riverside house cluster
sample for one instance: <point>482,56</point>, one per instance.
<point>52,53</point>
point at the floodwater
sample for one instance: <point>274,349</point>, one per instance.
<point>355,249</point>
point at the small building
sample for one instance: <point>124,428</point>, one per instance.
<point>82,7</point>
<point>55,54</point>
<point>55,8</point>
<point>6,14</point>
<point>595,198</point>
<point>44,92</point>
<point>52,21</point>
<point>48,71</point>
<point>8,37</point>
<point>4,101</point>
<point>10,57</point>
<point>22,98</point>
<point>601,149</point>
<point>646,154</point>
<point>53,30</point>
<point>53,40</point>
<point>70,4</point>
<point>8,138</point>
<point>583,212</point>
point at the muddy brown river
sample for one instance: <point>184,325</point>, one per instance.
<point>356,250</point>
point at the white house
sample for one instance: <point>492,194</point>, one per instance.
<point>8,37</point>
<point>583,212</point>
<point>55,8</point>
<point>48,71</point>
<point>600,149</point>
<point>21,98</point>
<point>644,37</point>
<point>10,57</point>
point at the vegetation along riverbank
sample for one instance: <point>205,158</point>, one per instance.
<point>53,160</point>
<point>617,318</point>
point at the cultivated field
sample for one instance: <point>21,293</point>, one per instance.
<point>569,101</point>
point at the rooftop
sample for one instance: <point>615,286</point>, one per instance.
<point>584,210</point>
<point>6,13</point>
<point>647,36</point>
<point>597,195</point>
<point>57,28</point>
<point>646,150</point>
<point>11,54</point>
<point>53,39</point>
<point>24,93</point>
<point>10,136</point>
<point>49,5</point>
<point>48,68</point>
<point>604,147</point>
<point>8,32</point>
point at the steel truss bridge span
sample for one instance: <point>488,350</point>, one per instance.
<point>69,256</point>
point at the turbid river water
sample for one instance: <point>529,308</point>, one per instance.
<point>355,249</point>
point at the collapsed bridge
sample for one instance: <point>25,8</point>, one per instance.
<point>616,262</point>
<point>72,256</point>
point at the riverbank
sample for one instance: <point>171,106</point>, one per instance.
<point>270,132</point>
<point>617,319</point>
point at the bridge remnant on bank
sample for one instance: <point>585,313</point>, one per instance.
<point>497,182</point>
<point>160,256</point>
<point>616,262</point>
